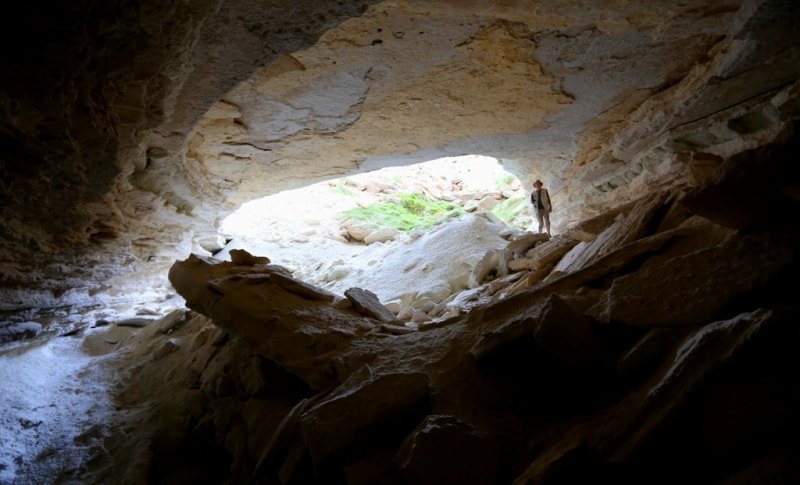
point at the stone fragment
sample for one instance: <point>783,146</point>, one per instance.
<point>485,266</point>
<point>523,264</point>
<point>212,244</point>
<point>526,241</point>
<point>240,257</point>
<point>366,303</point>
<point>171,321</point>
<point>550,252</point>
<point>503,282</point>
<point>357,232</point>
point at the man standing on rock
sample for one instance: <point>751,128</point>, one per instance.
<point>540,199</point>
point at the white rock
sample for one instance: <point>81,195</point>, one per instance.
<point>212,244</point>
<point>423,304</point>
<point>393,306</point>
<point>381,235</point>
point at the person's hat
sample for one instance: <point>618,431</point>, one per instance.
<point>538,182</point>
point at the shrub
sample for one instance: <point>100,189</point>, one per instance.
<point>411,211</point>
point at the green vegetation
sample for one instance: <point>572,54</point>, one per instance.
<point>341,188</point>
<point>413,210</point>
<point>506,180</point>
<point>508,210</point>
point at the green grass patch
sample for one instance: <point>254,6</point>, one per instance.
<point>506,180</point>
<point>413,211</point>
<point>508,210</point>
<point>341,188</point>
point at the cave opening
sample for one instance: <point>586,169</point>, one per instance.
<point>383,230</point>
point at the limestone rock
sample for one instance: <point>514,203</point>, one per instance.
<point>168,347</point>
<point>212,244</point>
<point>484,267</point>
<point>625,229</point>
<point>357,232</point>
<point>522,264</point>
<point>381,235</point>
<point>240,257</point>
<point>366,303</point>
<point>301,288</point>
<point>680,291</point>
<point>278,323</point>
<point>526,241</point>
<point>445,449</point>
<point>569,336</point>
<point>550,252</point>
<point>647,353</point>
<point>360,410</point>
<point>700,354</point>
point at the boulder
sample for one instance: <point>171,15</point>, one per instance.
<point>19,331</point>
<point>445,449</point>
<point>381,235</point>
<point>366,303</point>
<point>363,408</point>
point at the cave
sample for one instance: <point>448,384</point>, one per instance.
<point>651,339</point>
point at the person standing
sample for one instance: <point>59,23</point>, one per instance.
<point>540,199</point>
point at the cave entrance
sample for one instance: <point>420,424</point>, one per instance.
<point>410,234</point>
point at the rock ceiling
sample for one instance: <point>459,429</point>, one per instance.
<point>129,133</point>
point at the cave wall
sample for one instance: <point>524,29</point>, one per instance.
<point>97,91</point>
<point>130,129</point>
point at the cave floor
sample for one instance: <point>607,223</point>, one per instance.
<point>55,403</point>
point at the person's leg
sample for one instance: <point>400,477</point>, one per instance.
<point>546,222</point>
<point>539,215</point>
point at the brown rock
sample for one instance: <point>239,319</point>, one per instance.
<point>694,288</point>
<point>445,449</point>
<point>366,303</point>
<point>569,335</point>
<point>240,257</point>
<point>361,409</point>
<point>301,288</point>
<point>522,264</point>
